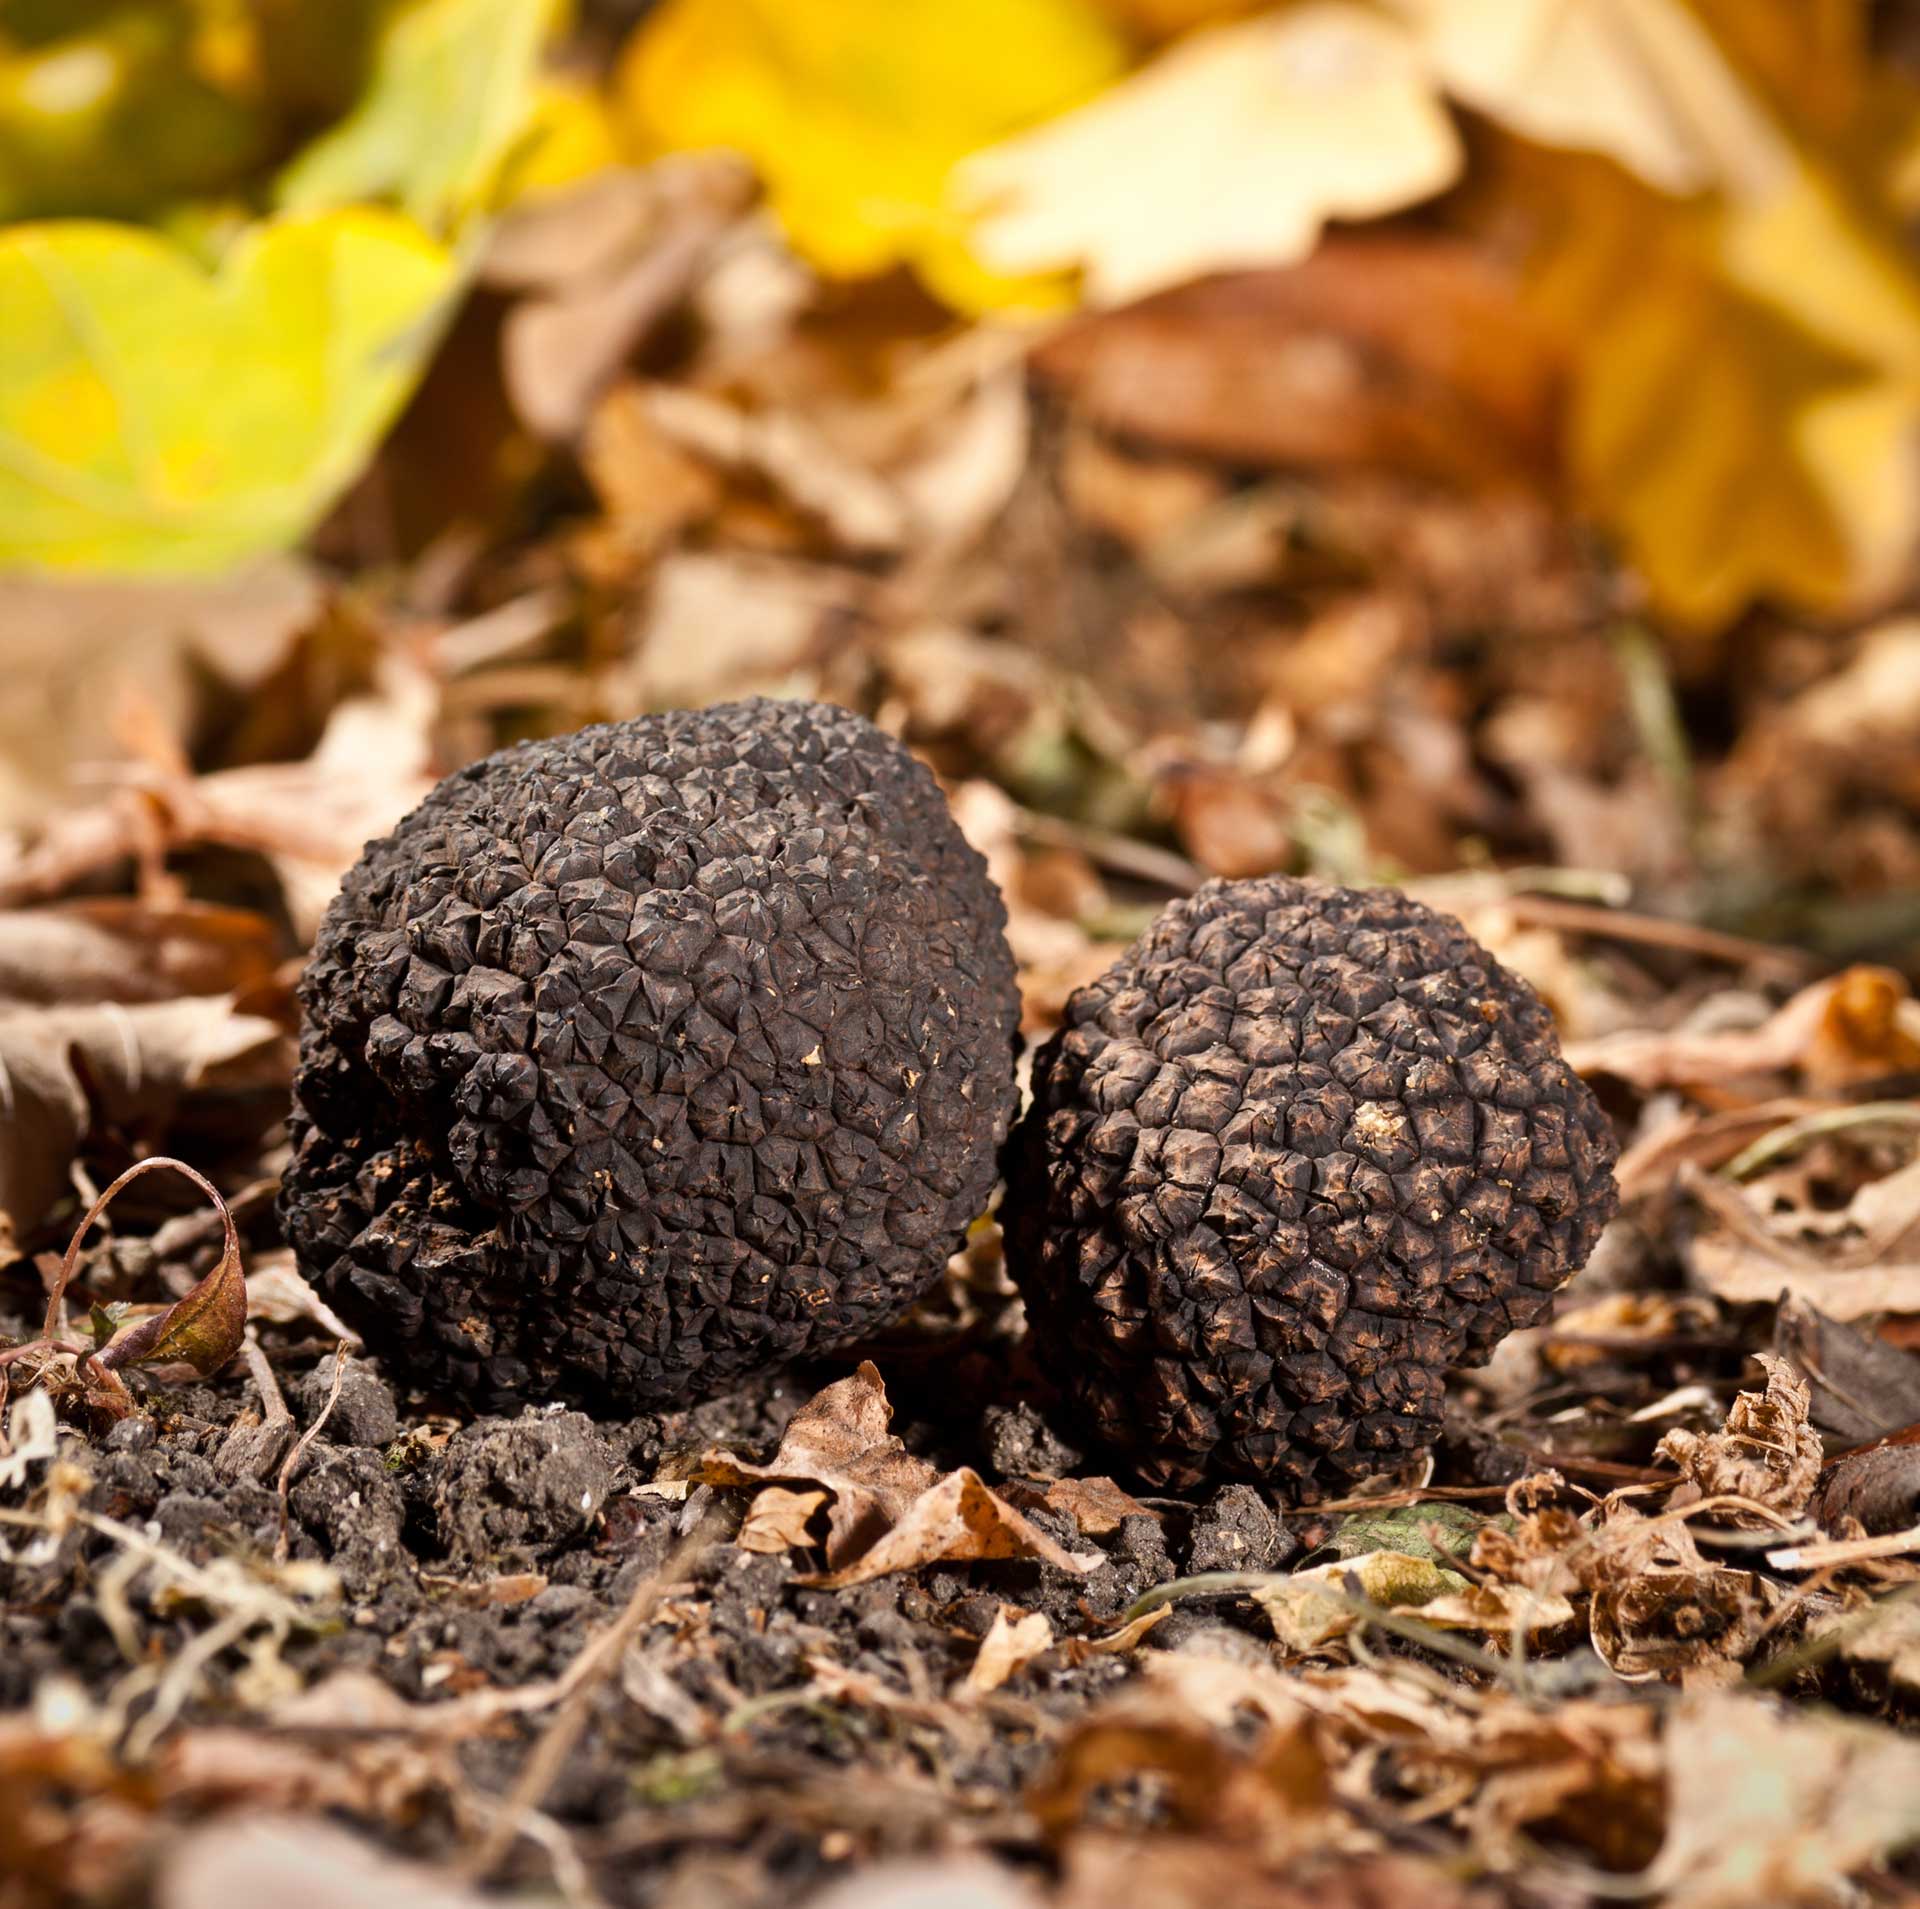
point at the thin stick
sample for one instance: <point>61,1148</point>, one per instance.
<point>1656,931</point>
<point>284,1543</point>
<point>597,1661</point>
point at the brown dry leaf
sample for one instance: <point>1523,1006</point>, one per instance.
<point>612,259</point>
<point>1404,353</point>
<point>1590,1334</point>
<point>777,1519</point>
<point>115,949</point>
<point>66,1072</point>
<point>891,1511</point>
<point>858,512</point>
<point>957,1519</point>
<point>1859,1025</point>
<point>725,623</point>
<point>297,1862</point>
<point>309,819</point>
<point>1658,1608</point>
<point>1013,1641</point>
<point>1322,111</point>
<point>1848,1262</point>
<point>839,1439</point>
<point>1096,1505</point>
<point>1766,1452</point>
<point>79,648</point>
<point>1768,1805</point>
<point>1878,1490</point>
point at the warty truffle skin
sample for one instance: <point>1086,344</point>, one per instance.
<point>1296,1153</point>
<point>640,1060</point>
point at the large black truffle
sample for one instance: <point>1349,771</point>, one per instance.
<point>639,1060</point>
<point>1296,1153</point>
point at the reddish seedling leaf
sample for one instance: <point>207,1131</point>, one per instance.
<point>202,1329</point>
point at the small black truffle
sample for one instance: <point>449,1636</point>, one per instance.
<point>1296,1153</point>
<point>639,1060</point>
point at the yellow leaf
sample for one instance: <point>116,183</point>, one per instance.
<point>570,136</point>
<point>1747,388</point>
<point>156,417</point>
<point>1325,111</point>
<point>450,93</point>
<point>854,111</point>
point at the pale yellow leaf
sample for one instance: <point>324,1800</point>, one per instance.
<point>1640,81</point>
<point>1324,111</point>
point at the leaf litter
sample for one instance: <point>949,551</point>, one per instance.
<point>1288,562</point>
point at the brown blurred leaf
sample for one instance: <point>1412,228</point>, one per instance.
<point>1403,353</point>
<point>67,1071</point>
<point>1857,1026</point>
<point>119,950</point>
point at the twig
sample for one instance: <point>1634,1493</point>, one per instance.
<point>598,1659</point>
<point>1657,931</point>
<point>1796,1133</point>
<point>1810,1557</point>
<point>283,1543</point>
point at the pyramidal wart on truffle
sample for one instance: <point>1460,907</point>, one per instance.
<point>1299,1150</point>
<point>638,1060</point>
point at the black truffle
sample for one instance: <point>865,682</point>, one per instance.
<point>636,1061</point>
<point>1296,1153</point>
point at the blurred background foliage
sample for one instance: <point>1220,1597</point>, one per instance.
<point>1367,434</point>
<point>1707,199</point>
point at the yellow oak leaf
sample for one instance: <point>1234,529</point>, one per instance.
<point>854,111</point>
<point>1323,111</point>
<point>154,416</point>
<point>1747,386</point>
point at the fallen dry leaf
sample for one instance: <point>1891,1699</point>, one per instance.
<point>1013,1640</point>
<point>118,949</point>
<point>1768,1806</point>
<point>1405,353</point>
<point>1859,1025</point>
<point>777,1519</point>
<point>1766,1452</point>
<point>890,1511</point>
<point>1323,111</point>
<point>66,1072</point>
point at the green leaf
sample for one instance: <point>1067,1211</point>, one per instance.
<point>1405,1530</point>
<point>451,91</point>
<point>157,417</point>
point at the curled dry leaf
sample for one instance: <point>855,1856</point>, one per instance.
<point>1658,1608</point>
<point>890,1510</point>
<point>777,1520</point>
<point>1850,1262</point>
<point>204,1327</point>
<point>1766,1452</point>
<point>1311,1609</point>
<point>1013,1641</point>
